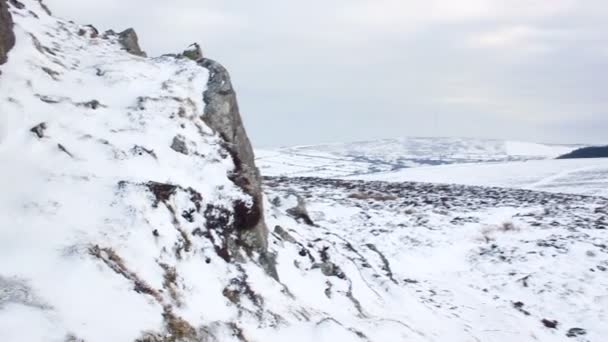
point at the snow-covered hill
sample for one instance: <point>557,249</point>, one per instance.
<point>362,158</point>
<point>131,211</point>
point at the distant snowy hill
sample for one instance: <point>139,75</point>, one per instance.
<point>360,158</point>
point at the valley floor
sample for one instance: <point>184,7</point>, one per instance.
<point>576,176</point>
<point>424,262</point>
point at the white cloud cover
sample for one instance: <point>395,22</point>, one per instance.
<point>361,69</point>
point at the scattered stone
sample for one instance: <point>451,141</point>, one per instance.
<point>520,307</point>
<point>284,235</point>
<point>44,7</point>
<point>93,104</point>
<point>52,73</point>
<point>162,192</point>
<point>329,269</point>
<point>551,324</point>
<point>574,332</point>
<point>300,212</point>
<point>140,151</point>
<point>179,144</point>
<point>39,129</point>
<point>64,150</point>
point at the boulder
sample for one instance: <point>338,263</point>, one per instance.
<point>194,52</point>
<point>128,39</point>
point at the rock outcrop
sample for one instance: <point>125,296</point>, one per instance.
<point>129,40</point>
<point>222,115</point>
<point>7,37</point>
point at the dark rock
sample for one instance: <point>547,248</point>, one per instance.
<point>551,324</point>
<point>39,129</point>
<point>299,212</point>
<point>93,104</point>
<point>179,145</point>
<point>16,3</point>
<point>65,150</point>
<point>128,39</point>
<point>7,36</point>
<point>520,307</point>
<point>162,192</point>
<point>574,332</point>
<point>44,7</point>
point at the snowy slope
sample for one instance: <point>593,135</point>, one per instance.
<point>92,223</point>
<point>361,158</point>
<point>423,262</point>
<point>577,176</point>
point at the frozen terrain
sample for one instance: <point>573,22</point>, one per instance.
<point>428,262</point>
<point>362,158</point>
<point>577,176</point>
<point>122,213</point>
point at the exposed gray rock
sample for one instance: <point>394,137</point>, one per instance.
<point>223,116</point>
<point>299,212</point>
<point>283,234</point>
<point>128,39</point>
<point>7,36</point>
<point>179,145</point>
<point>193,52</point>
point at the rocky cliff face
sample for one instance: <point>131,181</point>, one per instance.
<point>7,37</point>
<point>222,114</point>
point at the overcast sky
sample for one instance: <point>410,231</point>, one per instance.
<point>318,71</point>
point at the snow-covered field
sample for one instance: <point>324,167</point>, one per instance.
<point>361,158</point>
<point>424,262</point>
<point>577,176</point>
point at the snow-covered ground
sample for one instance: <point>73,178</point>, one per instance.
<point>424,262</point>
<point>117,206</point>
<point>370,157</point>
<point>577,176</point>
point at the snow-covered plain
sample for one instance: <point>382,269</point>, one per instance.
<point>576,176</point>
<point>370,157</point>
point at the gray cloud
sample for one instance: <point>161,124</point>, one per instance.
<point>319,71</point>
